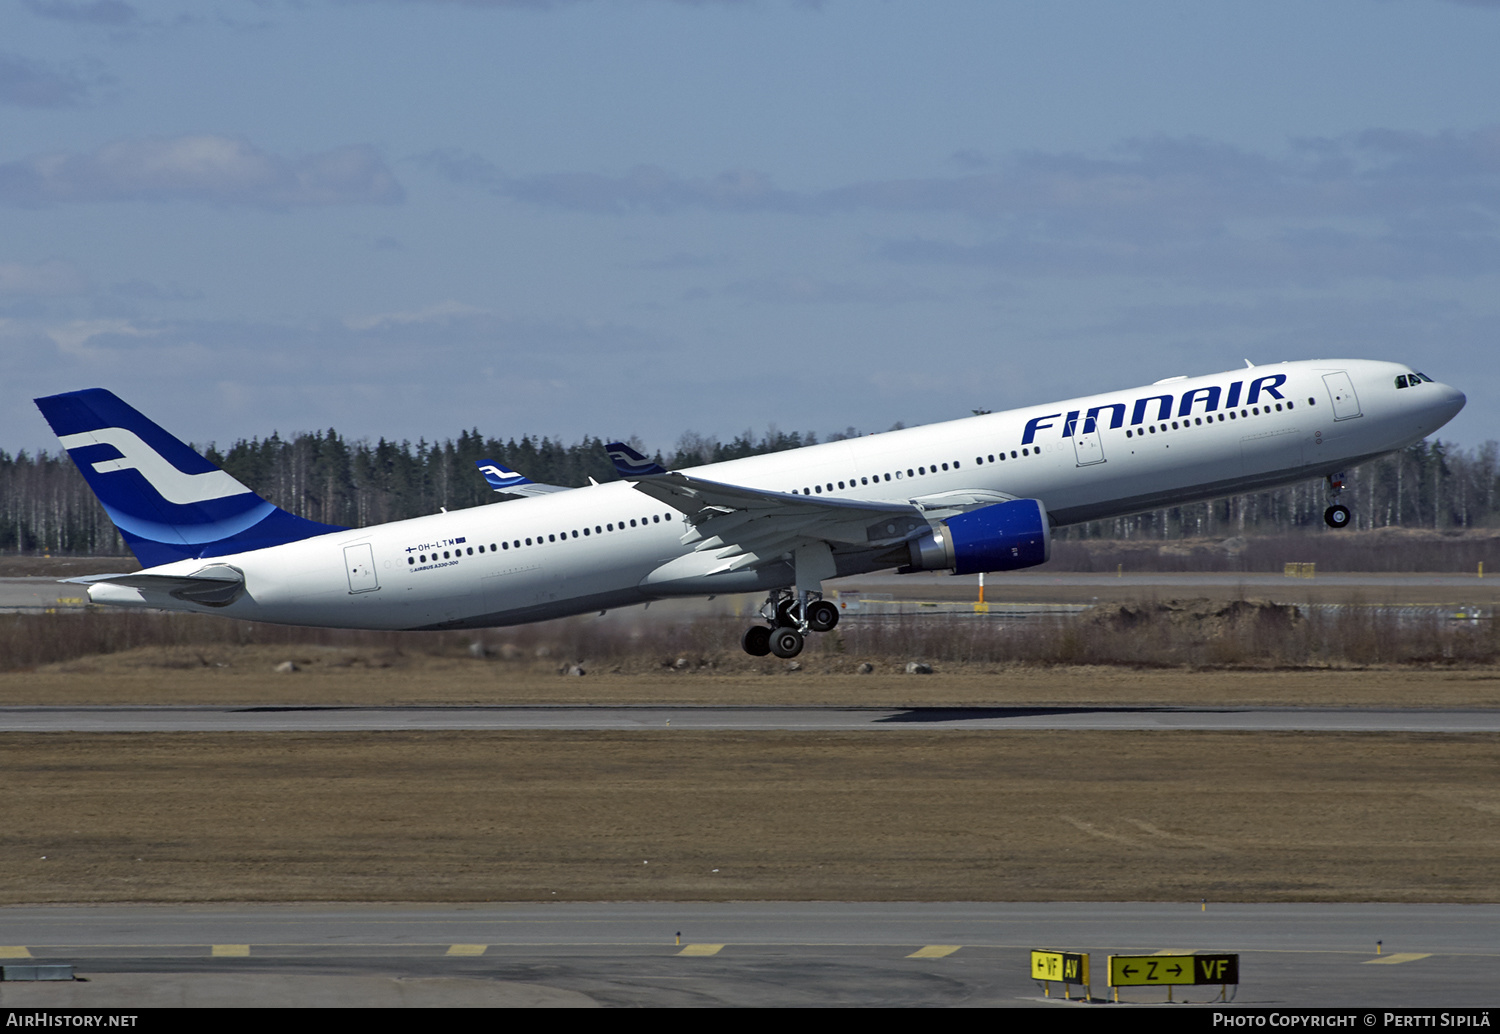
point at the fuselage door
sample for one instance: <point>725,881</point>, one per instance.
<point>1086,445</point>
<point>359,561</point>
<point>1341,391</point>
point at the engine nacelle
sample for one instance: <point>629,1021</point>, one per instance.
<point>1003,537</point>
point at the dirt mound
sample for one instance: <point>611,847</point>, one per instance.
<point>1199,619</point>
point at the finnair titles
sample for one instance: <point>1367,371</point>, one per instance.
<point>980,494</point>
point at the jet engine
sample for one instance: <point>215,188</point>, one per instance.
<point>1003,537</point>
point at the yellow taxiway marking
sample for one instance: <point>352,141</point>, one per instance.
<point>701,949</point>
<point>231,949</point>
<point>1399,957</point>
<point>467,949</point>
<point>935,951</point>
<point>14,951</point>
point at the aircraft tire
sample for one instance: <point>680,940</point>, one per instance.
<point>786,642</point>
<point>1336,516</point>
<point>822,616</point>
<point>757,641</point>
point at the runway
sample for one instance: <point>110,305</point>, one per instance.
<point>648,717</point>
<point>766,954</point>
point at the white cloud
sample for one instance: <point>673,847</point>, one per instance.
<point>51,279</point>
<point>213,169</point>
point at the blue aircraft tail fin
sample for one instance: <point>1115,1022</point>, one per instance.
<point>168,502</point>
<point>630,463</point>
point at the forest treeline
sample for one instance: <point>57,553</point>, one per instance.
<point>46,507</point>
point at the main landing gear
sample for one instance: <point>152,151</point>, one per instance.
<point>1336,516</point>
<point>792,616</point>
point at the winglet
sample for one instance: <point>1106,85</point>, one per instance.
<point>501,477</point>
<point>510,482</point>
<point>630,463</point>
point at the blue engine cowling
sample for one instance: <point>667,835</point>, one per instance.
<point>1003,537</point>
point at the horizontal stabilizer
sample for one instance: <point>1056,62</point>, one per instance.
<point>216,585</point>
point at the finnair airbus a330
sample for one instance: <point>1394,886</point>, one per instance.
<point>973,495</point>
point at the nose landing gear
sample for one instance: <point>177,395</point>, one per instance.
<point>792,616</point>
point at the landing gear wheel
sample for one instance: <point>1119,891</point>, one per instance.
<point>786,642</point>
<point>757,641</point>
<point>1336,516</point>
<point>822,616</point>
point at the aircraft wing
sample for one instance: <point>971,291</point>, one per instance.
<point>748,526</point>
<point>502,479</point>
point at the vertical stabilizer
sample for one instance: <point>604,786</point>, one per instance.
<point>168,502</point>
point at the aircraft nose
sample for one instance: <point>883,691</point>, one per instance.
<point>1450,400</point>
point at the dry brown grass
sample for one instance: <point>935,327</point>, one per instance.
<point>1202,633</point>
<point>702,816</point>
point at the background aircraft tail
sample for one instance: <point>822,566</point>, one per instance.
<point>168,502</point>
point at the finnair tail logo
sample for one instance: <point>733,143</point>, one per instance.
<point>170,483</point>
<point>497,475</point>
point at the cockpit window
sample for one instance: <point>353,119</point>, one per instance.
<point>1401,381</point>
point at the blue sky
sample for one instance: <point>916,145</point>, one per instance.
<point>600,217</point>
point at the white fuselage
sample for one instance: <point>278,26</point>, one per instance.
<point>610,545</point>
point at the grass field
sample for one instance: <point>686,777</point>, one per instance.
<point>919,814</point>
<point>703,816</point>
